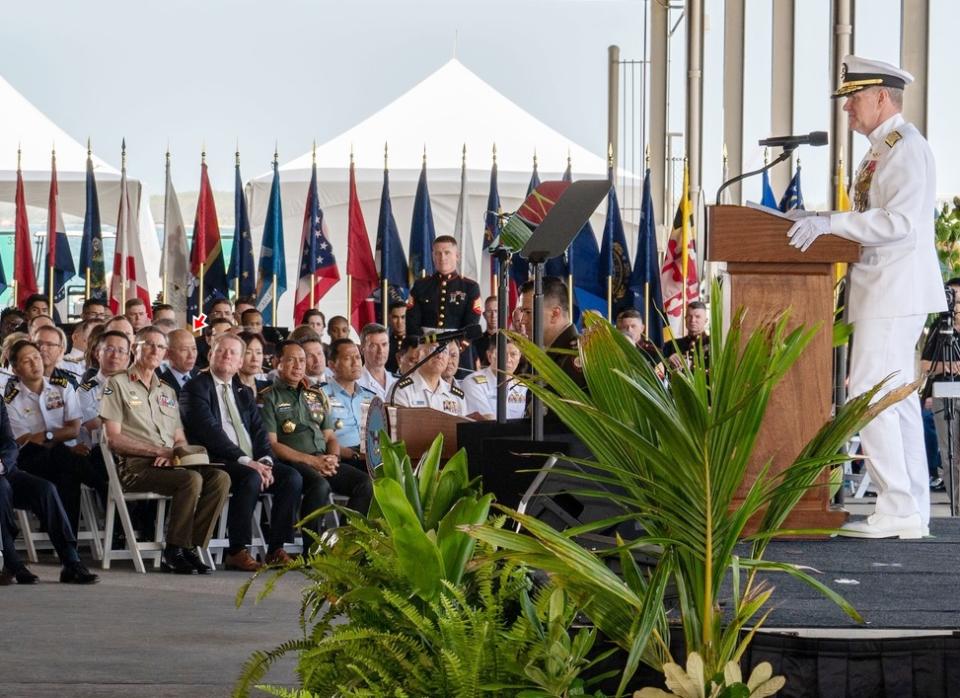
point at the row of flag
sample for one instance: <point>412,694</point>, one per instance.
<point>195,273</point>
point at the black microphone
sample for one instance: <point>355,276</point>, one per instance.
<point>812,138</point>
<point>469,333</point>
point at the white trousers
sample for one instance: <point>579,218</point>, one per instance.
<point>897,461</point>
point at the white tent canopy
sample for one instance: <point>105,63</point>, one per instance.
<point>24,126</point>
<point>450,109</point>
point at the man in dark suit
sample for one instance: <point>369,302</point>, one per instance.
<point>24,491</point>
<point>221,414</point>
<point>182,357</point>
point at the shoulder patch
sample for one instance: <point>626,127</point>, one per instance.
<point>405,382</point>
<point>893,138</point>
<point>108,390</point>
<point>10,392</point>
<point>88,385</point>
<point>456,391</point>
<point>479,379</point>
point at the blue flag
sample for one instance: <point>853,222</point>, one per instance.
<point>767,198</point>
<point>793,196</point>
<point>615,257</point>
<point>241,258</point>
<point>91,245</point>
<point>491,224</point>
<point>645,279</point>
<point>422,231</point>
<point>272,257</point>
<point>582,260</point>
<point>393,266</point>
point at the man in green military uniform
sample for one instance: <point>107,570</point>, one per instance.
<point>301,431</point>
<point>141,420</point>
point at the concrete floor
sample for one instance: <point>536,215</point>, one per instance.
<point>132,635</point>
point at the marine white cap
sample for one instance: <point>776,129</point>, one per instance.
<point>860,73</point>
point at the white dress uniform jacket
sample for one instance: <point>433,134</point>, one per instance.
<point>894,197</point>
<point>412,391</point>
<point>31,413</point>
<point>370,383</point>
<point>480,393</point>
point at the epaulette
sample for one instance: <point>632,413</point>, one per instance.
<point>405,382</point>
<point>167,382</point>
<point>364,388</point>
<point>264,391</point>
<point>89,385</point>
<point>58,380</point>
<point>479,379</point>
<point>11,391</point>
<point>456,391</point>
<point>893,138</point>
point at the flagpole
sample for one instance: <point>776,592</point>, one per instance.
<point>203,160</point>
<point>87,294</point>
<point>384,281</point>
<point>349,276</point>
<point>51,234</point>
<point>274,299</point>
<point>313,274</point>
<point>166,233</point>
<point>685,238</point>
<point>610,270</point>
<point>123,260</point>
<point>646,285</point>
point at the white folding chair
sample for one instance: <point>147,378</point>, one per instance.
<point>89,532</point>
<point>117,505</point>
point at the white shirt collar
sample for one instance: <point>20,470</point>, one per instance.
<point>881,131</point>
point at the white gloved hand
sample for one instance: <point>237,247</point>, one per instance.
<point>803,233</point>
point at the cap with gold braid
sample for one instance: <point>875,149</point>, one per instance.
<point>860,73</point>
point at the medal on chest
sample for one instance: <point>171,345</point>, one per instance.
<point>53,400</point>
<point>288,427</point>
<point>861,188</point>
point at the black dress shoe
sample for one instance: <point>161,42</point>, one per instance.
<point>77,573</point>
<point>175,561</point>
<point>21,575</point>
<point>191,556</point>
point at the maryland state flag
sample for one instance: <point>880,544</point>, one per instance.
<point>678,275</point>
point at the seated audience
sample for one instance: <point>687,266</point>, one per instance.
<point>316,369</point>
<point>36,305</point>
<point>221,309</point>
<point>243,304</point>
<point>251,370</point>
<point>164,311</point>
<point>630,323</point>
<point>315,320</point>
<point>489,336</point>
<point>113,357</point>
<point>339,328</point>
<point>182,358</point>
<point>425,387</point>
<point>22,490</point>
<point>681,351</point>
<point>135,310</point>
<point>221,414</point>
<point>12,320</point>
<point>375,348</point>
<point>95,309</point>
<point>45,420</point>
<point>480,388</point>
<point>301,431</point>
<point>409,354</point>
<point>252,320</point>
<point>142,424</point>
<point>52,343</point>
<point>346,397</point>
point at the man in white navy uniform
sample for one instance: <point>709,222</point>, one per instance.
<point>892,288</point>
<point>425,387</point>
<point>480,387</point>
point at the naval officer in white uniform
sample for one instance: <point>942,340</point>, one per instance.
<point>892,288</point>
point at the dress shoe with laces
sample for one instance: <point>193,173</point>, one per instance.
<point>175,561</point>
<point>279,557</point>
<point>194,559</point>
<point>241,561</point>
<point>884,526</point>
<point>77,573</point>
<point>21,575</point>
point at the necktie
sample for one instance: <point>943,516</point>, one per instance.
<point>243,440</point>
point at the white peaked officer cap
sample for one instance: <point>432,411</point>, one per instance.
<point>860,73</point>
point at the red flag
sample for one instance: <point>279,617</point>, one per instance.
<point>23,257</point>
<point>361,267</point>
<point>129,278</point>
<point>206,229</point>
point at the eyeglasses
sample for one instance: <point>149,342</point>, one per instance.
<point>115,351</point>
<point>153,345</point>
<point>49,345</point>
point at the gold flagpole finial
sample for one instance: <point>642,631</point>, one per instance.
<point>203,153</point>
<point>646,156</point>
<point>123,154</point>
<point>463,155</point>
<point>798,161</point>
<point>89,149</point>
<point>534,158</point>
<point>385,156</point>
<point>494,153</point>
<point>766,155</point>
<point>236,154</point>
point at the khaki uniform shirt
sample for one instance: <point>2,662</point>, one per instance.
<point>149,413</point>
<point>297,416</point>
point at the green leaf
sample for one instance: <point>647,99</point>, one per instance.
<point>427,471</point>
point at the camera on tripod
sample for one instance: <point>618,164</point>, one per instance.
<point>945,319</point>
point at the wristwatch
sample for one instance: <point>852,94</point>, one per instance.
<point>48,436</point>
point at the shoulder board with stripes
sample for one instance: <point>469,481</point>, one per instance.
<point>58,380</point>
<point>89,385</point>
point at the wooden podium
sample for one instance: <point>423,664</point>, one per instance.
<point>417,427</point>
<point>767,276</point>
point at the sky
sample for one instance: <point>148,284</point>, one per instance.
<point>213,73</point>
